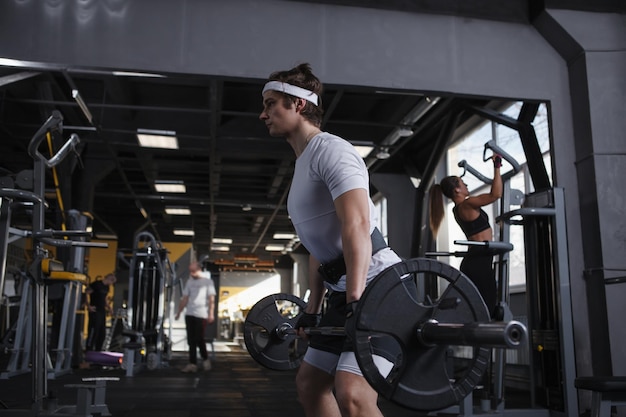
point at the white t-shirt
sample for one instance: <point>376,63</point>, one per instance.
<point>329,167</point>
<point>198,290</point>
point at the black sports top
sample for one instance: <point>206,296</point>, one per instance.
<point>477,225</point>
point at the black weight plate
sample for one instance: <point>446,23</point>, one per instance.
<point>24,179</point>
<point>263,343</point>
<point>424,378</point>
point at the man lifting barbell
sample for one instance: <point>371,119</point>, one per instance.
<point>334,217</point>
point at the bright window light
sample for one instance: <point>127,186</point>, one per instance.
<point>157,139</point>
<point>364,150</point>
<point>136,74</point>
<point>287,236</point>
<point>222,240</point>
<point>275,248</point>
<point>183,232</point>
<point>170,187</point>
<point>178,211</point>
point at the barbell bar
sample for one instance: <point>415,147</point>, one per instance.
<point>508,335</point>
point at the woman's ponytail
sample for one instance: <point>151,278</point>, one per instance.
<point>435,208</point>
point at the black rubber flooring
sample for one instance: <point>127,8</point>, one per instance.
<point>236,387</point>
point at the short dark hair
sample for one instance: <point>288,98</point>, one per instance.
<point>302,76</point>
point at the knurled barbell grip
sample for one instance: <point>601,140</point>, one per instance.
<point>285,329</point>
<point>325,331</point>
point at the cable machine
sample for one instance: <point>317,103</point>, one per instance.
<point>501,249</point>
<point>548,300</point>
<point>541,213</point>
<point>149,310</point>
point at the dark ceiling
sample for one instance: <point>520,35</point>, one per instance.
<point>237,177</point>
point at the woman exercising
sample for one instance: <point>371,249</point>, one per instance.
<point>473,220</point>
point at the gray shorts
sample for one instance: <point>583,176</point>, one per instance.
<point>331,363</point>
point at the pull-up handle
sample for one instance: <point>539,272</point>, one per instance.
<point>468,168</point>
<point>495,149</point>
<point>54,122</point>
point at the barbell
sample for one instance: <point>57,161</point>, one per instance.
<point>425,317</point>
<point>429,333</point>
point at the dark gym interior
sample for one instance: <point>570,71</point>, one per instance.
<point>423,89</point>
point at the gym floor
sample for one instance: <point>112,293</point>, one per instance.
<point>236,387</point>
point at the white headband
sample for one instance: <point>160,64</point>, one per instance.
<point>294,90</point>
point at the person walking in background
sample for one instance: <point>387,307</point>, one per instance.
<point>99,305</point>
<point>199,300</point>
<point>474,221</point>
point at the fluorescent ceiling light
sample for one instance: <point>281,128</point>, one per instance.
<point>183,232</point>
<point>220,248</point>
<point>402,93</point>
<point>364,150</point>
<point>8,62</point>
<point>170,187</point>
<point>163,139</point>
<point>284,236</point>
<point>106,236</point>
<point>137,74</point>
<point>222,240</point>
<point>180,211</point>
<point>83,106</point>
<point>275,248</point>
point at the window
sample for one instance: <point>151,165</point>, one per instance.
<point>380,206</point>
<point>470,148</point>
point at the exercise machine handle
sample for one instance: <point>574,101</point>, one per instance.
<point>495,245</point>
<point>54,122</point>
<point>71,243</point>
<point>495,149</point>
<point>21,195</point>
<point>488,244</point>
<point>491,145</point>
<point>468,168</point>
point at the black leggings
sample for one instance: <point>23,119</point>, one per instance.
<point>478,266</point>
<point>195,338</point>
<point>97,330</point>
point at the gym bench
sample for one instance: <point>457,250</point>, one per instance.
<point>91,397</point>
<point>607,391</point>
